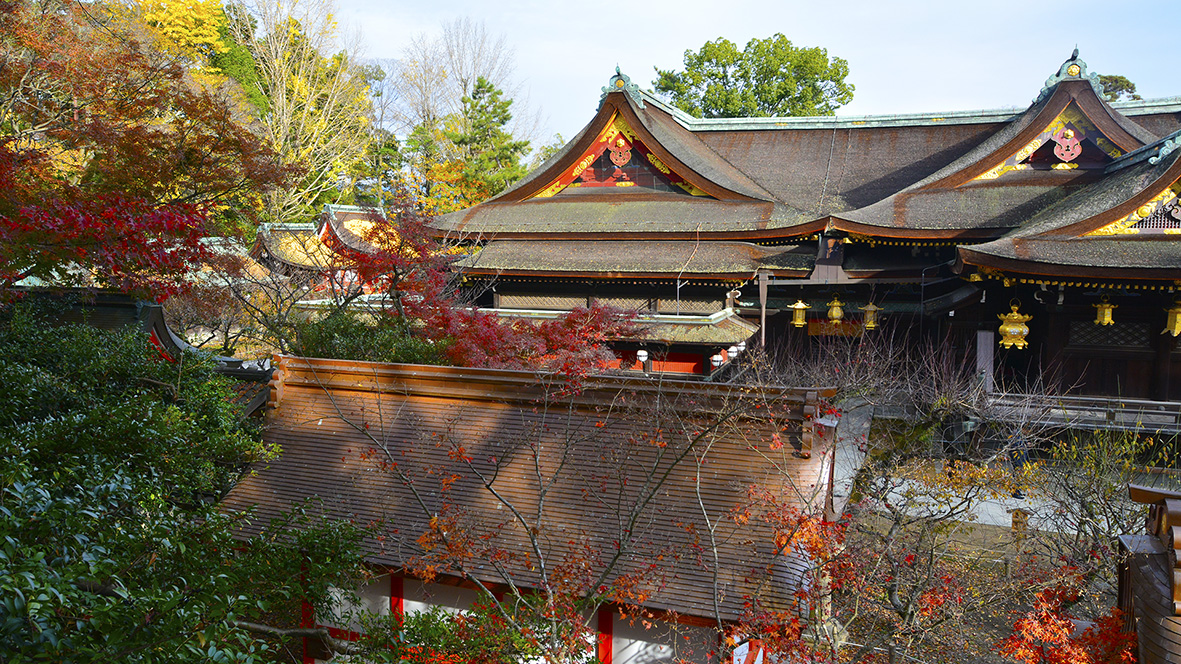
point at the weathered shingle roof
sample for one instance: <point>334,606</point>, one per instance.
<point>293,245</point>
<point>655,258</point>
<point>592,454</point>
<point>1057,240</point>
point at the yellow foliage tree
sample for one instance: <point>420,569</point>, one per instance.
<point>188,29</point>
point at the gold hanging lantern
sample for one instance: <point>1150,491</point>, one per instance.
<point>1103,312</point>
<point>799,317</point>
<point>871,315</point>
<point>835,312</point>
<point>1173,324</point>
<point>1013,327</point>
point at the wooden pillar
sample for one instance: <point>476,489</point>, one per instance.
<point>606,636</point>
<point>397,597</point>
<point>307,621</point>
<point>763,310</point>
<point>986,359</point>
<point>1163,367</point>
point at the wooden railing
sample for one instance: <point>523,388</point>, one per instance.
<point>1095,413</point>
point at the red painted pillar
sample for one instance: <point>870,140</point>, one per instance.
<point>397,596</point>
<point>306,622</point>
<point>606,634</point>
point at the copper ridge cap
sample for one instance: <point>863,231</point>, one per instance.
<point>287,226</point>
<point>979,116</point>
<point>1153,152</point>
<point>1129,108</point>
<point>833,121</point>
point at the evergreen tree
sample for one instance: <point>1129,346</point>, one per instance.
<point>490,153</point>
<point>770,77</point>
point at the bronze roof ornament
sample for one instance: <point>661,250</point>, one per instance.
<point>1165,149</point>
<point>1072,69</point>
<point>621,82</point>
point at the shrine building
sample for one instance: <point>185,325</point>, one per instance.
<point>1061,221</point>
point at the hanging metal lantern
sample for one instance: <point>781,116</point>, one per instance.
<point>871,315</point>
<point>799,317</point>
<point>1013,327</point>
<point>1103,312</point>
<point>835,312</point>
<point>1173,324</point>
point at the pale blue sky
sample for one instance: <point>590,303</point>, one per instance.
<point>904,57</point>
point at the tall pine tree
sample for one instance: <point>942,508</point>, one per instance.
<point>490,153</point>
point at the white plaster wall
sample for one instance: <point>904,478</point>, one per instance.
<point>421,596</point>
<point>373,598</point>
<point>635,643</point>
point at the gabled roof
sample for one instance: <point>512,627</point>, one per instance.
<point>347,226</point>
<point>292,246</point>
<point>725,199</point>
<point>1127,226</point>
<point>904,176</point>
<point>1033,162</point>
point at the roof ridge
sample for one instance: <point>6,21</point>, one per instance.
<point>1162,147</point>
<point>1073,69</point>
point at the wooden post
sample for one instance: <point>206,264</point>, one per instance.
<point>397,595</point>
<point>1163,367</point>
<point>763,310</point>
<point>606,635</point>
<point>985,358</point>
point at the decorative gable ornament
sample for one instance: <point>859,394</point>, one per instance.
<point>1066,145</point>
<point>1165,150</point>
<point>621,82</point>
<point>1073,69</point>
<point>1069,133</point>
<point>619,158</point>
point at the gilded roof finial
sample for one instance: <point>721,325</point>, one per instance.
<point>621,82</point>
<point>1074,69</point>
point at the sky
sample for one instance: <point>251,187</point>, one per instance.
<point>904,57</point>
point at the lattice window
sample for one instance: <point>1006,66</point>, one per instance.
<point>1119,335</point>
<point>690,306</point>
<point>538,301</point>
<point>1165,216</point>
<point>626,303</point>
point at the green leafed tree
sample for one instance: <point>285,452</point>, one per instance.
<point>236,62</point>
<point>770,77</point>
<point>1118,88</point>
<point>111,546</point>
<point>490,153</point>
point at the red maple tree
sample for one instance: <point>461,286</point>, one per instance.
<point>1049,634</point>
<point>114,161</point>
<point>403,258</point>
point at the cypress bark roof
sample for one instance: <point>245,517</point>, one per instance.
<point>679,258</point>
<point>919,176</point>
<point>337,422</point>
<point>1093,232</point>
